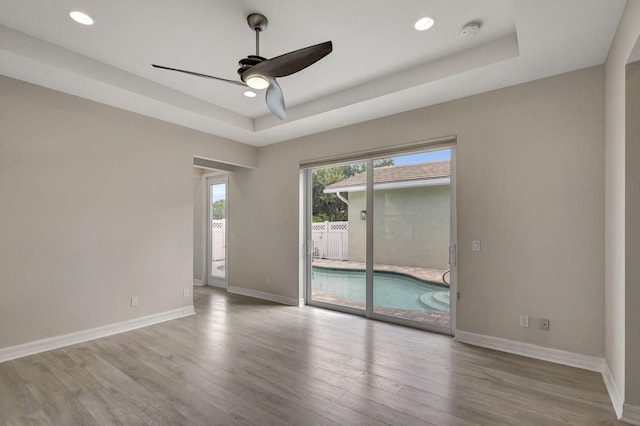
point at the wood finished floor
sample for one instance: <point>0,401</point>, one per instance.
<point>246,361</point>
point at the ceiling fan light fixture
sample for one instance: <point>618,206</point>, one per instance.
<point>424,23</point>
<point>81,17</point>
<point>250,94</point>
<point>257,82</point>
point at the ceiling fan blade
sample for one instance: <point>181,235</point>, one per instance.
<point>291,62</point>
<point>275,99</point>
<point>197,74</point>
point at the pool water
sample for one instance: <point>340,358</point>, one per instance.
<point>390,290</point>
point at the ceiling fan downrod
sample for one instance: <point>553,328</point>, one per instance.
<point>258,23</point>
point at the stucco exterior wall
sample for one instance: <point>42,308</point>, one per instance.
<point>411,226</point>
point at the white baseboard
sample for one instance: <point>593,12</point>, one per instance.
<point>211,284</point>
<point>612,388</point>
<point>625,412</point>
<point>631,414</point>
<point>264,296</point>
<point>558,356</point>
<point>31,348</point>
<point>199,283</point>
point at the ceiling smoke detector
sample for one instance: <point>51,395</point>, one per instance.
<point>470,30</point>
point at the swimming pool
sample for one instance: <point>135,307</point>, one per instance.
<point>390,290</point>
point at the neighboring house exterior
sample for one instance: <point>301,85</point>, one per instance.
<point>412,214</point>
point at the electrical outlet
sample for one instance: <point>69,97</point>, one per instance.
<point>524,321</point>
<point>475,245</point>
<point>135,301</point>
<point>544,324</point>
<point>185,292</point>
<point>268,280</point>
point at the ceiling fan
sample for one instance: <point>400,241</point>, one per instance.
<point>260,73</point>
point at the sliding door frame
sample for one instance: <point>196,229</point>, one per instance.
<point>368,312</point>
<point>307,178</point>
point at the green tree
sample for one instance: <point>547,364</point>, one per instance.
<point>357,168</point>
<point>327,206</point>
<point>218,209</point>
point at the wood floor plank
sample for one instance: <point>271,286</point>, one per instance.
<point>16,400</point>
<point>243,361</point>
<point>59,405</point>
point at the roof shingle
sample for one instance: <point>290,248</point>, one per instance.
<point>404,173</point>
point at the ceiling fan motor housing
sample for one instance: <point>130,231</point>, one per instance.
<point>248,62</point>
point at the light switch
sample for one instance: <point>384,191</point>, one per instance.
<point>475,246</point>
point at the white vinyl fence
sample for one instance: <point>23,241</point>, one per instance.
<point>330,240</point>
<point>218,229</point>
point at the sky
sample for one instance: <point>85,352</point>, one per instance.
<point>218,192</point>
<point>443,154</point>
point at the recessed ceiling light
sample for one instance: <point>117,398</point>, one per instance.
<point>423,24</point>
<point>81,17</point>
<point>250,94</point>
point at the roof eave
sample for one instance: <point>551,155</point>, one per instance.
<point>392,185</point>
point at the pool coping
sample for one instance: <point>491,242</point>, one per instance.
<point>404,274</point>
<point>426,275</point>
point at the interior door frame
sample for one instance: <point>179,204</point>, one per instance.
<point>217,179</point>
<point>368,311</point>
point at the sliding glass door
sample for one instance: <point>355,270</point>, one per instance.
<point>411,238</point>
<point>338,257</point>
<point>380,243</point>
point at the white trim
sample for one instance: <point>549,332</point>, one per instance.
<point>625,412</point>
<point>222,163</point>
<point>213,284</point>
<point>265,296</point>
<point>631,414</point>
<point>612,388</point>
<point>558,356</point>
<point>198,283</point>
<point>31,348</point>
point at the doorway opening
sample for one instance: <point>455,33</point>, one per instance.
<point>381,238</point>
<point>217,209</point>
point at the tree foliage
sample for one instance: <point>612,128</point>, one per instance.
<point>218,209</point>
<point>327,206</point>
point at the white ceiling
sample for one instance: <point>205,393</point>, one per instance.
<point>379,66</point>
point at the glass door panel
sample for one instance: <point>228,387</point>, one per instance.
<point>411,238</point>
<point>338,235</point>
<point>217,231</point>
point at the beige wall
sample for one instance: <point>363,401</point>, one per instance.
<point>199,225</point>
<point>530,186</point>
<point>96,207</point>
<point>618,336</point>
<point>411,226</point>
<point>632,197</point>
